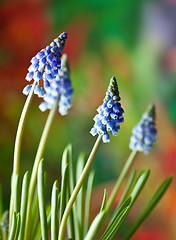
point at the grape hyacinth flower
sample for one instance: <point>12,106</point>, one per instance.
<point>110,113</point>
<point>61,88</point>
<point>45,65</point>
<point>144,133</point>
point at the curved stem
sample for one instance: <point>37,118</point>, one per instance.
<point>118,184</point>
<point>120,179</point>
<point>18,140</point>
<point>16,162</point>
<point>77,188</point>
<point>38,157</point>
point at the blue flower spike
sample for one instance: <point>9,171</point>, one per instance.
<point>60,90</point>
<point>144,133</point>
<point>110,113</point>
<point>46,64</point>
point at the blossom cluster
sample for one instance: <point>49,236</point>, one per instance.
<point>110,113</point>
<point>144,133</point>
<point>59,90</point>
<point>45,65</point>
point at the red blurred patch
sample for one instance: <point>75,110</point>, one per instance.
<point>24,28</point>
<point>149,234</point>
<point>77,31</point>
<point>168,157</point>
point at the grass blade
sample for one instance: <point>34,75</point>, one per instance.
<point>116,217</point>
<point>42,210</point>
<point>128,187</point>
<point>13,228</point>
<point>34,216</point>
<point>80,196</point>
<point>88,201</point>
<point>18,217</point>
<point>54,213</point>
<point>24,198</point>
<point>64,188</point>
<point>72,225</point>
<point>103,205</point>
<point>49,213</point>
<point>155,199</point>
<point>117,224</point>
<point>139,185</point>
<point>16,194</point>
<point>114,225</point>
<point>95,226</point>
<point>70,222</point>
<point>127,190</point>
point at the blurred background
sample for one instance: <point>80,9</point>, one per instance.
<point>132,40</point>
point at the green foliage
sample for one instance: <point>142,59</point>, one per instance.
<point>42,210</point>
<point>78,225</point>
<point>156,197</point>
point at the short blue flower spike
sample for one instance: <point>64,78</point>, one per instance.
<point>144,133</point>
<point>60,87</point>
<point>110,113</point>
<point>46,64</point>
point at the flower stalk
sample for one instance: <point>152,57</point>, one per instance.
<point>38,157</point>
<point>122,176</point>
<point>18,140</point>
<point>77,188</point>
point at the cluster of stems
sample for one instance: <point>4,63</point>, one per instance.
<point>39,156</point>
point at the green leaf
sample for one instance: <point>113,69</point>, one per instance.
<point>24,198</point>
<point>121,214</point>
<point>139,185</point>
<point>35,217</point>
<point>64,188</point>
<point>103,205</point>
<point>16,194</point>
<point>72,223</point>
<point>88,201</point>
<point>13,228</point>
<point>18,217</point>
<point>117,215</point>
<point>117,224</point>
<point>42,210</point>
<point>95,226</point>
<point>80,196</point>
<point>48,213</point>
<point>127,190</point>
<point>70,163</point>
<point>65,161</point>
<point>54,213</point>
<point>128,187</point>
<point>154,200</point>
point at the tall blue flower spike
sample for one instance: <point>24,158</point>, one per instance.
<point>59,90</point>
<point>110,113</point>
<point>144,133</point>
<point>45,65</point>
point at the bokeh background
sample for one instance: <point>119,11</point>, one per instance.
<point>132,40</point>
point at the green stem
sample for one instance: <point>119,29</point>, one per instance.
<point>77,188</point>
<point>38,157</point>
<point>18,140</point>
<point>120,179</point>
